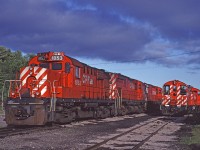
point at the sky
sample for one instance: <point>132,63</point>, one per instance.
<point>153,41</point>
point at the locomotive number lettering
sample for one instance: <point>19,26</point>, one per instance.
<point>87,79</point>
<point>56,57</point>
<point>77,82</point>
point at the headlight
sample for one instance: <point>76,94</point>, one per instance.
<point>37,93</point>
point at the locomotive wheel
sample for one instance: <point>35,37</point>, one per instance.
<point>130,109</point>
<point>164,112</point>
<point>123,111</point>
<point>106,112</point>
<point>102,113</point>
<point>112,111</point>
<point>140,109</point>
<point>66,117</point>
<point>98,114</point>
<point>136,109</point>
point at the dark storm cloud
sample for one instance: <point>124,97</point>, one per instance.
<point>42,25</point>
<point>177,22</point>
<point>173,18</point>
<point>117,30</point>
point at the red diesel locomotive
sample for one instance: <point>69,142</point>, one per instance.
<point>179,98</point>
<point>58,88</point>
<point>193,100</point>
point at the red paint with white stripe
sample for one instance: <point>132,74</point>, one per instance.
<point>176,95</point>
<point>193,96</point>
<point>38,80</point>
<point>113,85</point>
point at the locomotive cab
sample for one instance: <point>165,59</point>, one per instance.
<point>175,98</point>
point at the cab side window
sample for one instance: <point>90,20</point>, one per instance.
<point>67,67</point>
<point>77,72</point>
<point>166,90</point>
<point>174,88</point>
<point>183,90</point>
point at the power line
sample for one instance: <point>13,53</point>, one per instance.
<point>145,59</point>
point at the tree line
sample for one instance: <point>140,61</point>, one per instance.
<point>10,64</point>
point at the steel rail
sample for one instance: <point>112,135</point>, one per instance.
<point>124,133</point>
<point>136,147</point>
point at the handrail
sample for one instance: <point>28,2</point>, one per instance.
<point>53,96</point>
<point>2,96</point>
<point>19,89</point>
<point>10,81</point>
<point>44,81</point>
<point>53,101</point>
<point>54,85</point>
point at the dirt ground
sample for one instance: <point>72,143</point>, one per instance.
<point>80,135</point>
<point>2,122</point>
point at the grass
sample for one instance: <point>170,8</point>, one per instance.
<point>194,138</point>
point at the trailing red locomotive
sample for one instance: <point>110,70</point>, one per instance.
<point>58,88</point>
<point>179,98</point>
<point>154,97</point>
<point>193,100</point>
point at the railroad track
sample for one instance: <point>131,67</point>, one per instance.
<point>11,131</point>
<point>8,131</point>
<point>155,125</point>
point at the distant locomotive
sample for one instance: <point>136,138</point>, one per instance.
<point>193,100</point>
<point>58,88</point>
<point>179,98</point>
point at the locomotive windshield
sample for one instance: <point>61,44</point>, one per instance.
<point>56,66</point>
<point>44,65</point>
<point>183,90</point>
<point>166,90</point>
<point>174,88</point>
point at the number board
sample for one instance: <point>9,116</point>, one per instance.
<point>56,57</point>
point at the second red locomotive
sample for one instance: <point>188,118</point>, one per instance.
<point>180,98</point>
